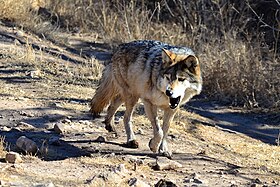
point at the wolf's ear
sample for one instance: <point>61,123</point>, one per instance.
<point>168,57</point>
<point>192,63</point>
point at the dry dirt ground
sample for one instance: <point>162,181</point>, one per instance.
<point>43,83</point>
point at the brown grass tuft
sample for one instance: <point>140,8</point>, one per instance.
<point>2,147</point>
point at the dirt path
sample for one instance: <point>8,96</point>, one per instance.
<point>212,145</point>
<point>236,120</point>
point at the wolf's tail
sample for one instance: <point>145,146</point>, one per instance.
<point>105,92</point>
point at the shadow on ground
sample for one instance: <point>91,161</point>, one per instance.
<point>246,123</point>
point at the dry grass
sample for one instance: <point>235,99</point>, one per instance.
<point>2,147</point>
<point>239,57</point>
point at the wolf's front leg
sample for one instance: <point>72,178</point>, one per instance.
<point>167,119</point>
<point>151,112</point>
<point>129,104</point>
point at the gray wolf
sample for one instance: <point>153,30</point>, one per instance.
<point>162,76</point>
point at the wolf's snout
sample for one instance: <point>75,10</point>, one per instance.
<point>168,92</point>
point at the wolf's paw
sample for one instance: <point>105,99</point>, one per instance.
<point>164,151</point>
<point>154,146</point>
<point>167,154</point>
<point>132,144</point>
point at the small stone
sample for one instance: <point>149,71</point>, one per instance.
<point>27,114</point>
<point>233,171</point>
<point>120,169</point>
<point>58,105</point>
<point>85,122</point>
<point>140,131</point>
<point>20,33</point>
<point>194,185</point>
<point>165,183</point>
<point>263,168</point>
<point>25,125</point>
<point>34,74</point>
<point>26,145</point>
<point>143,176</point>
<point>5,129</point>
<point>100,139</point>
<point>132,181</point>
<point>59,128</point>
<point>172,136</point>
<point>17,42</point>
<point>135,160</point>
<point>258,181</point>
<point>13,157</point>
<point>137,183</point>
<point>66,121</point>
<point>197,181</point>
<point>193,178</point>
<point>164,163</point>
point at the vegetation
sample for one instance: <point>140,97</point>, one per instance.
<point>237,42</point>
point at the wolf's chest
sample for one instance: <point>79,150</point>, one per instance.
<point>157,98</point>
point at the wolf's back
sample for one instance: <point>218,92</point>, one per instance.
<point>105,92</point>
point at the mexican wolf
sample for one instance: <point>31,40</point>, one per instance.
<point>162,76</point>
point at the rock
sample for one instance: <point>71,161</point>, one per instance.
<point>132,181</point>
<point>85,122</point>
<point>172,136</point>
<point>257,181</point>
<point>27,114</point>
<point>59,128</point>
<point>100,139</point>
<point>193,178</point>
<point>120,169</point>
<point>164,163</point>
<point>26,145</point>
<point>24,125</point>
<point>58,105</point>
<point>197,181</point>
<point>66,120</point>
<point>165,183</point>
<point>140,131</point>
<point>137,183</point>
<point>34,73</point>
<point>5,128</point>
<point>13,157</point>
<point>133,159</point>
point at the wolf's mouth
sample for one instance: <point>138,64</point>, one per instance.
<point>174,102</point>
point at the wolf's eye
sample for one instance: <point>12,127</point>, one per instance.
<point>194,64</point>
<point>181,79</point>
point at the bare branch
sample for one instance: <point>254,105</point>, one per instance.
<point>260,19</point>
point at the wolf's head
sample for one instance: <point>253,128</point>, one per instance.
<point>181,77</point>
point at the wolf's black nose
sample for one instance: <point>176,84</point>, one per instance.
<point>168,92</point>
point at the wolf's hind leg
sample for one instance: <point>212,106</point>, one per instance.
<point>167,119</point>
<point>109,119</point>
<point>130,102</point>
<point>151,112</point>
